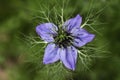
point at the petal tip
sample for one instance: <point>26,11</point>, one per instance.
<point>71,68</point>
<point>78,16</point>
<point>92,36</point>
<point>37,28</point>
<point>44,62</point>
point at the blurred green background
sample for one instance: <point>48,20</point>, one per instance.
<point>16,18</point>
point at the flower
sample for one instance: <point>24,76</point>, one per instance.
<point>64,41</point>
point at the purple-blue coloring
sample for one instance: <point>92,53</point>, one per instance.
<point>64,46</point>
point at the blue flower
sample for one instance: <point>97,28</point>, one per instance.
<point>63,41</point>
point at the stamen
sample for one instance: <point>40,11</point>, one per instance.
<point>63,39</point>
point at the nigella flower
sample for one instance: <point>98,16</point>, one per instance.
<point>63,41</point>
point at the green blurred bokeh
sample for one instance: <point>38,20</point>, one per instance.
<point>15,19</point>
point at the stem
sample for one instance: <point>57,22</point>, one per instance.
<point>62,17</point>
<point>82,53</point>
<point>85,23</point>
<point>38,42</point>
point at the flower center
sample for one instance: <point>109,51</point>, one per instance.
<point>63,39</point>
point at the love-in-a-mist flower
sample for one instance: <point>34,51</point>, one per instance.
<point>63,41</point>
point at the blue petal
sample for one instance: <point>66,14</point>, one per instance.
<point>68,56</point>
<point>47,31</point>
<point>82,37</point>
<point>72,23</point>
<point>51,54</point>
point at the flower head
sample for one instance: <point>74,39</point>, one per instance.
<point>63,42</point>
